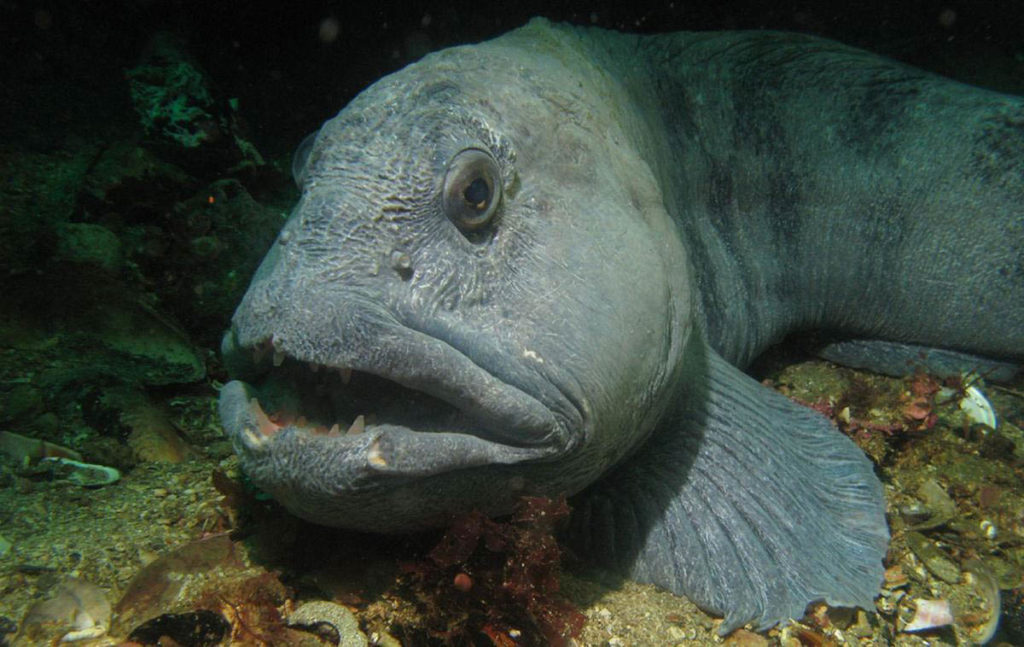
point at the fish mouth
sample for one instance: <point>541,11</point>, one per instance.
<point>423,408</point>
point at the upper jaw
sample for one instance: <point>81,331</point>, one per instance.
<point>452,413</point>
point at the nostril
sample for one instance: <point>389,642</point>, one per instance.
<point>401,263</point>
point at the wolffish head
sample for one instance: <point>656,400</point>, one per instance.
<point>478,296</point>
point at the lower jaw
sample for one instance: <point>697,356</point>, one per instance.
<point>364,451</point>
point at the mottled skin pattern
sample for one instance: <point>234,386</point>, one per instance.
<point>889,197</point>
<point>670,206</point>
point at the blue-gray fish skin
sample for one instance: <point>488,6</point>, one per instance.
<point>536,265</point>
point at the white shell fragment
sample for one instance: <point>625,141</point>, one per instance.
<point>976,406</point>
<point>79,473</point>
<point>988,528</point>
<point>930,614</point>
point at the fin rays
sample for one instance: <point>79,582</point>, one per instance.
<point>749,504</point>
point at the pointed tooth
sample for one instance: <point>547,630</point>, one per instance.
<point>346,375</point>
<point>278,358</point>
<point>358,426</point>
<point>335,430</point>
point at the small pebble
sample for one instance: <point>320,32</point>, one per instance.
<point>933,558</point>
<point>463,582</point>
<point>989,529</point>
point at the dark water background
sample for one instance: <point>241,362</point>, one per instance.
<point>294,64</point>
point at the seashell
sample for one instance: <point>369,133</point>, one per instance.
<point>977,407</point>
<point>930,614</point>
<point>79,473</point>
<point>983,625</point>
<point>974,404</point>
<point>78,611</point>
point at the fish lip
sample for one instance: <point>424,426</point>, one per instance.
<point>382,450</point>
<point>520,427</point>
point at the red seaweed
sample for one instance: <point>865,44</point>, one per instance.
<point>497,580</point>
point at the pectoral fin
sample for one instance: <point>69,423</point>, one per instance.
<point>747,503</point>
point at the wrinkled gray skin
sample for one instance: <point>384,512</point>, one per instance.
<point>671,205</point>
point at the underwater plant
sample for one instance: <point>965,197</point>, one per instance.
<point>497,579</point>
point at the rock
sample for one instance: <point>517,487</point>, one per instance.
<point>939,506</point>
<point>88,244</point>
<point>933,558</point>
<point>24,449</point>
<point>178,107</point>
<point>171,94</point>
<point>23,401</point>
<point>195,629</point>
<point>105,330</point>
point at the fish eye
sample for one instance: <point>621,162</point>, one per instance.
<point>472,189</point>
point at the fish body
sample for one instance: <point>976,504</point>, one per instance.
<point>537,265</point>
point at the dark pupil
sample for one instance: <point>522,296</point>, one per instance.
<point>477,194</point>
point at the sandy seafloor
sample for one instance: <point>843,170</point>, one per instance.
<point>123,249</point>
<point>960,487</point>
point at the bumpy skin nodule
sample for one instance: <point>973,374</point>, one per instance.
<point>670,206</point>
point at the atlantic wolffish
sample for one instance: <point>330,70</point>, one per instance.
<point>537,265</point>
